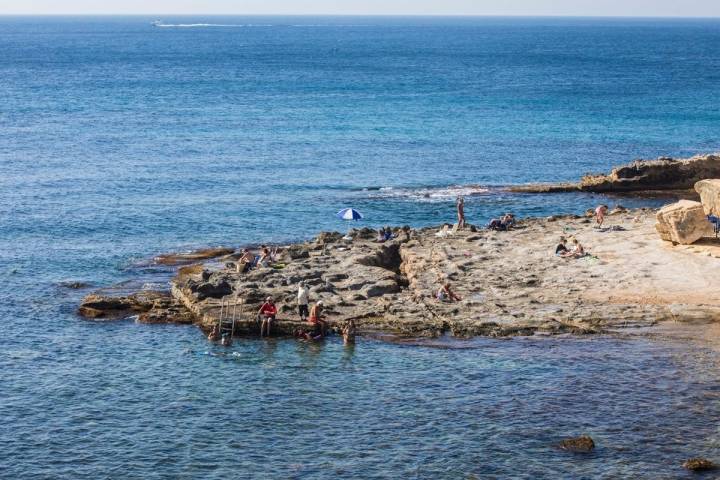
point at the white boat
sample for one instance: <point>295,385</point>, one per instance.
<point>157,23</point>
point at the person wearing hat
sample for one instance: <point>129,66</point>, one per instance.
<point>267,313</point>
<point>317,319</point>
<point>303,296</point>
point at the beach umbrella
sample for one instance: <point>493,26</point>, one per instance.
<point>349,214</point>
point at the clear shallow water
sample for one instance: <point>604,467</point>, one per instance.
<point>119,140</point>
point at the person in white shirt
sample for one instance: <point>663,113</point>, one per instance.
<point>302,301</point>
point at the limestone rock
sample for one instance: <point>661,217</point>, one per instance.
<point>709,191</point>
<point>683,222</point>
<point>213,288</point>
<point>642,175</point>
<point>581,444</point>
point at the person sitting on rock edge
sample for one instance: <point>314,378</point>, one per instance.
<point>267,313</point>
<point>445,294</point>
<point>317,319</point>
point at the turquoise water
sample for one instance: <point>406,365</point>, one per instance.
<point>119,140</point>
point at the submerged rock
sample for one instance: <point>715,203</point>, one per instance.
<point>699,464</point>
<point>74,285</point>
<point>189,257</point>
<point>683,222</point>
<point>581,444</point>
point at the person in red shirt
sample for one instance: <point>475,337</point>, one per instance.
<point>267,313</point>
<point>317,319</point>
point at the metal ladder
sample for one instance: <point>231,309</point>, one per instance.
<point>226,321</point>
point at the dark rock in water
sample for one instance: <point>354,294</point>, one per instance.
<point>204,254</point>
<point>74,285</point>
<point>106,306</point>
<point>581,444</point>
<point>699,464</point>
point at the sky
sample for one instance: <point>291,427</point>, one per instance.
<point>662,8</point>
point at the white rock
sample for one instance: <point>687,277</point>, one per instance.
<point>709,191</point>
<point>683,222</point>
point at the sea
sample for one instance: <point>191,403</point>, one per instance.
<point>121,139</point>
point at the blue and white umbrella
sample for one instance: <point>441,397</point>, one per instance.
<point>349,214</point>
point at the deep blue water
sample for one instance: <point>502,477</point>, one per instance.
<point>119,140</point>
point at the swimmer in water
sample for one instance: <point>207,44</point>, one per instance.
<point>349,331</point>
<point>214,335</point>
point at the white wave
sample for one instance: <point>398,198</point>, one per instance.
<point>429,194</point>
<point>206,25</point>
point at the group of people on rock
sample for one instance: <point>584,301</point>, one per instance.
<point>505,222</point>
<point>249,260</point>
<point>575,251</point>
<point>314,316</point>
<point>384,234</point>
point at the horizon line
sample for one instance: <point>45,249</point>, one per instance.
<point>386,15</point>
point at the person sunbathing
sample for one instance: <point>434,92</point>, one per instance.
<point>445,294</point>
<point>265,257</point>
<point>561,248</point>
<point>508,221</point>
<point>245,263</point>
<point>576,251</point>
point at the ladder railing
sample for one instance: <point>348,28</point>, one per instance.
<point>227,321</point>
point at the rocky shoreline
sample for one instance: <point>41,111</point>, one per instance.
<point>511,283</point>
<point>661,175</point>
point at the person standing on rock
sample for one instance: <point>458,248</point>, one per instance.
<point>600,213</point>
<point>461,212</point>
<point>317,319</point>
<point>303,296</point>
<point>267,313</point>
